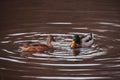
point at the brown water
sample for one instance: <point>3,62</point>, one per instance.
<point>34,20</point>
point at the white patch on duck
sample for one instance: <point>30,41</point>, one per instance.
<point>87,40</point>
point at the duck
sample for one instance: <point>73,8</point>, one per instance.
<point>38,47</point>
<point>82,41</point>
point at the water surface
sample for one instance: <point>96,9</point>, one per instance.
<point>23,21</point>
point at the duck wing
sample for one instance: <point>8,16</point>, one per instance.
<point>87,41</point>
<point>88,38</point>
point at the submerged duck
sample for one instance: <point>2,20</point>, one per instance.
<point>37,47</point>
<point>82,41</point>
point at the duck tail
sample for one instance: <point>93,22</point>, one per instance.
<point>90,37</point>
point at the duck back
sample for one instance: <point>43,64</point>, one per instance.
<point>87,41</point>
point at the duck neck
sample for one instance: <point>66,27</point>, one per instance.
<point>49,43</point>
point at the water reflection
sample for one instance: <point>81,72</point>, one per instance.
<point>26,54</point>
<point>75,52</point>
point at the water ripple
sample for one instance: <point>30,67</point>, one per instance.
<point>8,51</point>
<point>70,64</point>
<point>11,60</point>
<point>63,63</point>
<point>66,78</point>
<point>111,24</point>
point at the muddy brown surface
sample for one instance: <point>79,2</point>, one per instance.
<point>33,20</point>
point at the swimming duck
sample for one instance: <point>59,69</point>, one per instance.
<point>31,47</point>
<point>82,41</point>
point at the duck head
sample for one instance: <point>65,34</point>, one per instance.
<point>76,38</point>
<point>76,41</point>
<point>50,38</point>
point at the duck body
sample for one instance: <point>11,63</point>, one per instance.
<point>82,41</point>
<point>31,47</point>
<point>87,41</point>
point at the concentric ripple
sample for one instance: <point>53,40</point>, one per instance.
<point>63,63</point>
